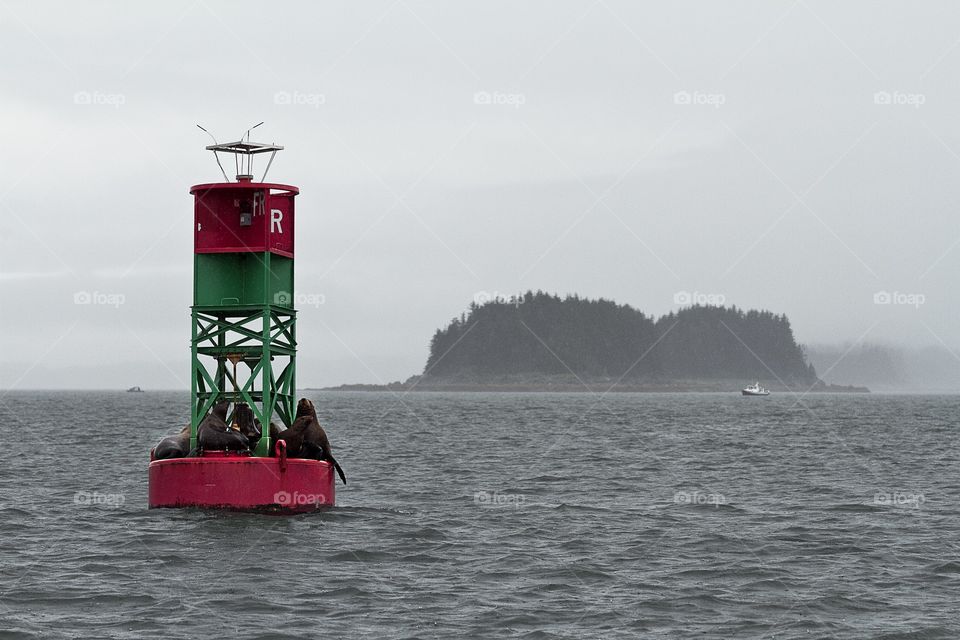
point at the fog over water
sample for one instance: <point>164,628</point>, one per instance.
<point>800,157</point>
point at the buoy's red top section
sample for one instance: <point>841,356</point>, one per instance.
<point>232,217</point>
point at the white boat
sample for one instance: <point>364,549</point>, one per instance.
<point>755,390</point>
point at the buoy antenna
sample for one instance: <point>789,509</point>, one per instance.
<point>215,143</point>
<point>273,155</point>
<point>251,129</point>
<point>243,151</point>
<point>249,169</point>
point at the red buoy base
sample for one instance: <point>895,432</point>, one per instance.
<point>242,482</point>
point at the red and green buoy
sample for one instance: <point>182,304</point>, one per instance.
<point>243,344</point>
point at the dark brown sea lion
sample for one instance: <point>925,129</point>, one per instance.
<point>275,433</point>
<point>293,437</point>
<point>306,408</point>
<point>214,434</point>
<point>175,446</point>
<point>309,438</point>
<point>248,424</point>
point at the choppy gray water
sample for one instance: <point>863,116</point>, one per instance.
<point>495,515</point>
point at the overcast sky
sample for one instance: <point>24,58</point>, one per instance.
<point>800,157</point>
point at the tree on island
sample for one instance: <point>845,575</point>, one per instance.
<point>538,334</point>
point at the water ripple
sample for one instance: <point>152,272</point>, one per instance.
<point>486,515</point>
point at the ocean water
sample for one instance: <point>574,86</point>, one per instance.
<point>501,515</point>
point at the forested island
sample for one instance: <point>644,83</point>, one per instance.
<point>540,341</point>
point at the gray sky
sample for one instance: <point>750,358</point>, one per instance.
<point>794,156</point>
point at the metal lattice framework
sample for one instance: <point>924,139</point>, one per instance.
<point>254,336</point>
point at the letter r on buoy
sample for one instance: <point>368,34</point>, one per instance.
<point>275,217</point>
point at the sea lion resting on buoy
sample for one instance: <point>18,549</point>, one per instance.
<point>306,438</point>
<point>293,439</point>
<point>316,445</point>
<point>275,433</point>
<point>214,434</point>
<point>175,446</point>
<point>248,424</point>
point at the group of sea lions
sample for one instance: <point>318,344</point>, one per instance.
<point>304,439</point>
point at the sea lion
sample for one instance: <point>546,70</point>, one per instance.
<point>275,433</point>
<point>214,434</point>
<point>248,424</point>
<point>309,437</point>
<point>305,407</point>
<point>293,437</point>
<point>175,446</point>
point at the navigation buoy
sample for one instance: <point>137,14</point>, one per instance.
<point>243,350</point>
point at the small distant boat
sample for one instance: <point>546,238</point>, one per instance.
<point>134,390</point>
<point>755,390</point>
